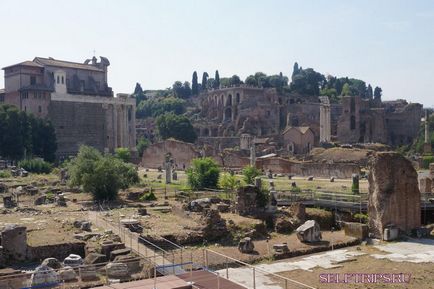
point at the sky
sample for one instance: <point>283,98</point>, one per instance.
<point>385,43</point>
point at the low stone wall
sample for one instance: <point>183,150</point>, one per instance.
<point>325,170</point>
<point>59,251</point>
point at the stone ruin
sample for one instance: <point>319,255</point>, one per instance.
<point>246,245</point>
<point>309,232</point>
<point>14,243</point>
<point>246,203</point>
<point>394,196</point>
<point>214,226</point>
<point>426,184</point>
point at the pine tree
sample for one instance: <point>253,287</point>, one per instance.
<point>216,83</point>
<point>369,93</point>
<point>194,84</point>
<point>204,81</point>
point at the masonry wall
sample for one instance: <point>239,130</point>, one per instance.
<point>182,154</point>
<point>58,251</point>
<point>77,124</point>
<point>283,166</point>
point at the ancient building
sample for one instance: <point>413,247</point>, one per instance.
<point>298,140</point>
<point>228,113</point>
<point>78,101</point>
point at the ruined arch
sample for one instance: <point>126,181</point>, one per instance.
<point>238,98</point>
<point>229,100</point>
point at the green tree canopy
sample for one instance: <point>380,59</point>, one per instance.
<point>174,126</point>
<point>194,84</point>
<point>157,106</point>
<point>203,174</point>
<point>249,174</point>
<point>216,83</point>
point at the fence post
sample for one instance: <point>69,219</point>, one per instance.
<point>286,283</point>
<point>254,278</point>
<point>173,262</point>
<point>227,269</point>
<point>206,258</point>
<point>155,275</point>
<point>218,280</point>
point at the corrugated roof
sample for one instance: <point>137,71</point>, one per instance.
<point>302,129</point>
<point>67,64</point>
<point>25,63</point>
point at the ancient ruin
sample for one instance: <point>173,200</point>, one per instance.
<point>394,196</point>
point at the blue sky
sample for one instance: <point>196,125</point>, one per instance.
<point>385,43</point>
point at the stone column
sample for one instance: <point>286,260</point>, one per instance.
<point>324,116</point>
<point>252,154</point>
<point>115,126</point>
<point>427,144</point>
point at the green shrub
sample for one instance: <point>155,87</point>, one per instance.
<point>295,190</point>
<point>148,197</point>
<point>228,182</point>
<point>426,160</point>
<point>249,174</point>
<point>262,198</point>
<point>361,217</point>
<point>102,176</point>
<point>123,154</point>
<point>204,173</point>
<point>5,174</point>
<point>37,166</point>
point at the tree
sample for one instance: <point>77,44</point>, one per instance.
<point>228,182</point>
<point>142,145</point>
<point>100,175</point>
<point>139,94</point>
<point>251,81</point>
<point>174,126</point>
<point>377,93</point>
<point>203,174</point>
<point>369,93</point>
<point>216,84</point>
<point>204,80</point>
<point>23,135</point>
<point>194,84</point>
<point>181,90</point>
<point>295,70</point>
<point>235,80</point>
<point>157,106</point>
<point>123,154</point>
<point>249,174</point>
<point>307,81</point>
<point>346,91</point>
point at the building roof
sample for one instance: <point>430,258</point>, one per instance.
<point>301,129</point>
<point>67,64</point>
<point>25,63</point>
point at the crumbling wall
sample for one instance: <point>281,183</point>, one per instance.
<point>182,153</point>
<point>394,196</point>
<point>58,251</point>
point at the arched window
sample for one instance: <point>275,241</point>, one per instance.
<point>58,79</point>
<point>63,80</point>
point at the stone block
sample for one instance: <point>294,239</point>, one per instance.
<point>119,252</point>
<point>356,230</point>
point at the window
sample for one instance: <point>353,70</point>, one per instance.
<point>39,109</point>
<point>32,80</point>
<point>58,79</point>
<point>63,80</point>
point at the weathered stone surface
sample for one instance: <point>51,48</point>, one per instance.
<point>8,202</point>
<point>95,258</point>
<point>309,232</point>
<point>88,273</point>
<point>132,262</point>
<point>425,185</point>
<point>142,211</point>
<point>119,252</point>
<point>223,208</point>
<point>108,246</point>
<point>247,200</point>
<point>431,170</point>
<point>44,275</point>
<point>86,226</point>
<point>246,246</point>
<point>52,263</point>
<point>3,188</point>
<point>394,196</point>
<point>356,230</point>
<point>14,242</point>
<point>283,225</point>
<point>134,196</point>
<point>298,211</point>
<point>117,270</point>
<point>199,205</point>
<point>73,260</point>
<point>214,226</point>
<point>280,249</point>
<point>40,200</point>
<point>68,274</point>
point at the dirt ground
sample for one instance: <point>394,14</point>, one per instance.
<point>422,274</point>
